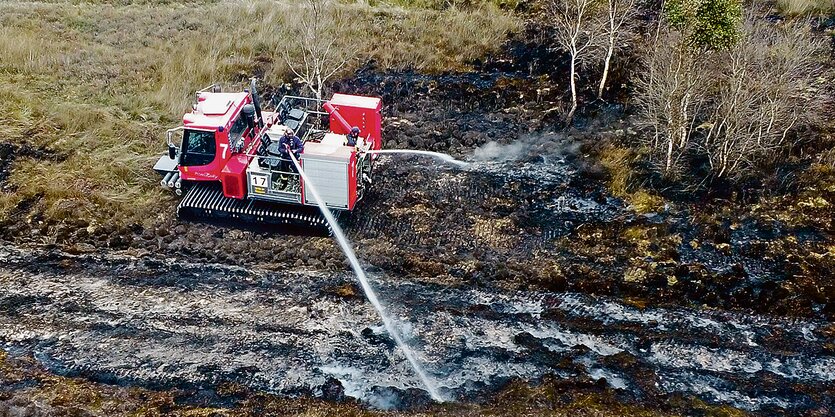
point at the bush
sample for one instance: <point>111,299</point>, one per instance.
<point>736,110</point>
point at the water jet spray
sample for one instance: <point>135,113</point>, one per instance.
<point>442,156</point>
<point>342,240</point>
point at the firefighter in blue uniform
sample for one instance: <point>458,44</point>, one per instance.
<point>352,137</point>
<point>289,143</point>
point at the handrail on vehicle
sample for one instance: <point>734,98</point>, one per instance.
<point>170,132</point>
<point>216,88</point>
<point>310,105</point>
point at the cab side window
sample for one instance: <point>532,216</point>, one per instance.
<point>237,129</point>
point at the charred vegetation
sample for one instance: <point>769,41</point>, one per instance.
<point>720,209</point>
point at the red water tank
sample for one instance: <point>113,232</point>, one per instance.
<point>360,111</point>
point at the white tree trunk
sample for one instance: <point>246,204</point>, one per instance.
<point>319,86</point>
<point>575,29</point>
<point>606,66</point>
<point>570,115</point>
<point>685,117</point>
<point>670,141</point>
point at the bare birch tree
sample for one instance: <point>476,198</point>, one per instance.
<point>767,88</point>
<point>618,12</point>
<point>575,29</point>
<point>738,107</point>
<point>318,51</point>
<point>670,93</point>
<point>675,84</point>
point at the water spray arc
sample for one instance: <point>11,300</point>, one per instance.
<point>442,156</point>
<point>369,292</point>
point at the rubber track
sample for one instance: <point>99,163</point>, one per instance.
<point>206,201</point>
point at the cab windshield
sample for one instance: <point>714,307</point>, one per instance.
<point>198,148</point>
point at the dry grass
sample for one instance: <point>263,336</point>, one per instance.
<point>99,82</point>
<point>803,7</point>
<point>8,202</point>
<point>616,160</point>
<point>447,4</point>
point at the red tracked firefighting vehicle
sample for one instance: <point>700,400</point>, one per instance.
<point>226,163</point>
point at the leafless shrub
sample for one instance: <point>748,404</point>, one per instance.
<point>671,89</point>
<point>767,88</point>
<point>316,51</point>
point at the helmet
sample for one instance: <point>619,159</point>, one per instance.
<point>288,132</point>
<point>355,130</point>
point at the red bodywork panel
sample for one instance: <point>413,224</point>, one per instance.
<point>217,112</point>
<point>233,176</point>
<point>352,181</point>
<point>363,112</point>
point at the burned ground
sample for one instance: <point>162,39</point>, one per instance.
<point>532,211</point>
<point>196,329</point>
<point>522,279</point>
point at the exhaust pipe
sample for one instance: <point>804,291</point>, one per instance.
<point>178,191</point>
<point>173,179</point>
<point>165,179</point>
<point>249,115</point>
<point>338,117</point>
<point>256,101</point>
<point>178,184</point>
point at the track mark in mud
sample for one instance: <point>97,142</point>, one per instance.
<point>285,333</point>
<point>491,205</point>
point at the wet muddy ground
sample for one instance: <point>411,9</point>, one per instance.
<point>162,324</point>
<point>477,265</point>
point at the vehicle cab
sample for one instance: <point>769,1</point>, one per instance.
<point>219,126</point>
